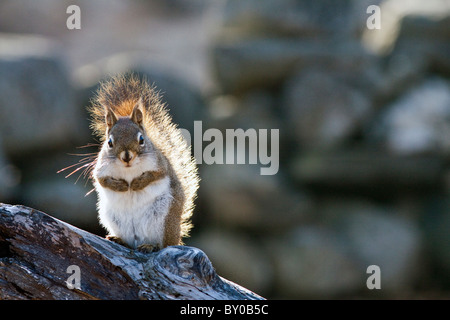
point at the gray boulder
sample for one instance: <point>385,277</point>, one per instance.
<point>426,38</point>
<point>287,17</point>
<point>242,64</point>
<point>378,236</point>
<point>312,262</point>
<point>239,197</point>
<point>322,110</point>
<point>37,103</point>
<point>370,172</point>
<point>419,121</point>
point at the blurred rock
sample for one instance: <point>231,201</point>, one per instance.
<point>399,73</point>
<point>239,197</point>
<point>313,262</point>
<point>287,17</point>
<point>254,110</point>
<point>237,257</point>
<point>369,172</point>
<point>37,101</point>
<point>323,111</point>
<point>243,64</point>
<point>378,236</point>
<point>262,42</point>
<point>418,122</point>
<point>399,16</point>
<point>29,16</point>
<point>426,38</point>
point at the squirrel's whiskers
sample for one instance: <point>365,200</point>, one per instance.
<point>87,164</point>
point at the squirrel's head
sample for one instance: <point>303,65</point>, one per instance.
<point>126,139</point>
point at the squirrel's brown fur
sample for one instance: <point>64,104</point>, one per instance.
<point>120,94</point>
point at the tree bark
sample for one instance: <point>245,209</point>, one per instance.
<point>44,258</point>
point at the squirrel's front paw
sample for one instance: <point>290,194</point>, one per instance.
<point>145,179</point>
<point>119,185</point>
<point>140,182</point>
<point>137,184</point>
<point>148,248</point>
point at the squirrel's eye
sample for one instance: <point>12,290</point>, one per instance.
<point>141,139</point>
<point>110,143</point>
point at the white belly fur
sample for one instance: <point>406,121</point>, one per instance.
<point>137,217</point>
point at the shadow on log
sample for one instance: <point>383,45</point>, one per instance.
<point>42,258</point>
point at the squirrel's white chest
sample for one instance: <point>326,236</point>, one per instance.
<point>137,217</point>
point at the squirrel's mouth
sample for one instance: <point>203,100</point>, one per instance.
<point>127,158</point>
<point>124,164</point>
<point>127,165</point>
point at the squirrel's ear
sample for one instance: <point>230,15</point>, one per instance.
<point>110,118</point>
<point>137,116</point>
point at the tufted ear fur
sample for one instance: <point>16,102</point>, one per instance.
<point>110,118</point>
<point>137,116</point>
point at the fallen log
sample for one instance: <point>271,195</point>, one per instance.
<point>42,257</point>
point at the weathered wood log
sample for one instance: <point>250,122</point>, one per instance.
<point>44,258</point>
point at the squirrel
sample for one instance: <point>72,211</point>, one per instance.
<point>144,175</point>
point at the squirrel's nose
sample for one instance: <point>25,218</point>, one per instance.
<point>126,156</point>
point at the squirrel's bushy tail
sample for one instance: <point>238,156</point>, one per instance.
<point>120,94</point>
